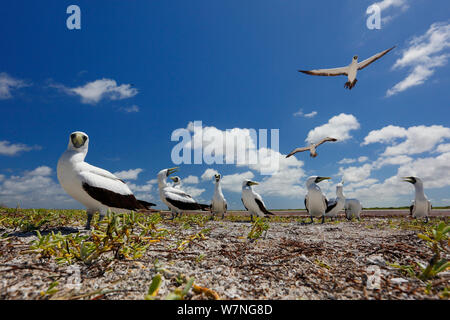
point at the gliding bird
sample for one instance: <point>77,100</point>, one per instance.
<point>312,147</point>
<point>350,71</point>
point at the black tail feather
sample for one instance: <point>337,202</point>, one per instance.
<point>146,204</point>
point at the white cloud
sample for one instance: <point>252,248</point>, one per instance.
<point>131,174</point>
<point>419,139</point>
<point>424,54</point>
<point>300,113</point>
<point>132,109</point>
<point>208,174</point>
<point>443,148</point>
<point>93,92</point>
<point>338,127</point>
<point>8,84</point>
<point>388,5</point>
<point>349,160</point>
<point>8,149</point>
<point>356,174</point>
<point>34,188</point>
<point>190,180</point>
<point>233,182</point>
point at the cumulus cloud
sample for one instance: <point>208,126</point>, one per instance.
<point>338,127</point>
<point>93,92</point>
<point>417,139</point>
<point>132,109</point>
<point>208,174</point>
<point>8,84</point>
<point>8,149</point>
<point>423,56</point>
<point>350,160</point>
<point>389,6</point>
<point>190,180</point>
<point>131,174</point>
<point>34,188</point>
<point>233,182</point>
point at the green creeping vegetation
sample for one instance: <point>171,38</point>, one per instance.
<point>436,237</point>
<point>126,236</point>
<point>258,228</point>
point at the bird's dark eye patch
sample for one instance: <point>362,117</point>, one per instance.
<point>72,136</point>
<point>84,138</point>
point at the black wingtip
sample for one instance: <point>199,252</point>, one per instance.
<point>146,204</point>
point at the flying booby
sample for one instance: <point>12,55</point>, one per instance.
<point>252,201</point>
<point>312,147</point>
<point>218,203</point>
<point>315,202</point>
<point>337,204</point>
<point>350,71</point>
<point>176,199</point>
<point>96,188</point>
<point>421,206</point>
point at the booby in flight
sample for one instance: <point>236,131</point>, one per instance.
<point>312,147</point>
<point>218,203</point>
<point>96,188</point>
<point>176,199</point>
<point>350,71</point>
<point>336,204</point>
<point>421,206</point>
<point>252,201</point>
<point>315,202</point>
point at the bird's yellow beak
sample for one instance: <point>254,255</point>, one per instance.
<point>407,179</point>
<point>253,183</point>
<point>173,179</point>
<point>171,170</point>
<point>324,178</point>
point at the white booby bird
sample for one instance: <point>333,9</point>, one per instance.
<point>96,188</point>
<point>176,181</point>
<point>316,203</point>
<point>421,206</point>
<point>218,203</point>
<point>176,199</point>
<point>252,201</point>
<point>312,147</point>
<point>350,71</point>
<point>352,209</point>
<point>336,204</point>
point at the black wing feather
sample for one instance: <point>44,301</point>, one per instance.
<point>113,199</point>
<point>262,208</point>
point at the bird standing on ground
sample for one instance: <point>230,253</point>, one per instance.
<point>315,201</point>
<point>421,206</point>
<point>96,188</point>
<point>252,201</point>
<point>352,208</point>
<point>218,203</point>
<point>337,204</point>
<point>350,71</point>
<point>176,199</point>
<point>312,147</point>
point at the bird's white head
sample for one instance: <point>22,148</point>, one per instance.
<point>248,183</point>
<point>217,177</point>
<point>78,141</point>
<point>315,179</point>
<point>163,174</point>
<point>176,180</point>
<point>414,180</point>
<point>355,58</point>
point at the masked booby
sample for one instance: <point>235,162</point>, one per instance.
<point>335,205</point>
<point>252,201</point>
<point>352,209</point>
<point>96,188</point>
<point>218,203</point>
<point>421,206</point>
<point>175,198</point>
<point>315,202</point>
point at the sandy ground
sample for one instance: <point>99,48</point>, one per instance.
<point>335,260</point>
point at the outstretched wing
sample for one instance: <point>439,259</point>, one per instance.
<point>327,72</point>
<point>297,150</point>
<point>327,139</point>
<point>373,58</point>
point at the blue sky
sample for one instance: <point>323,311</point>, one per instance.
<point>138,70</point>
